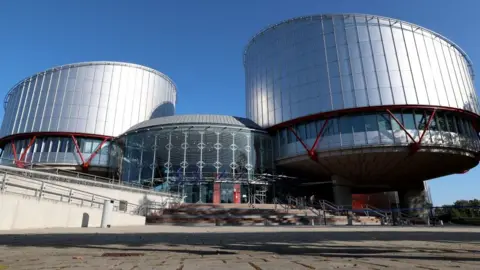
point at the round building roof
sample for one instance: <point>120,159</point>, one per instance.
<point>320,16</point>
<point>197,119</point>
<point>92,63</point>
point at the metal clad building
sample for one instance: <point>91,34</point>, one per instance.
<point>370,99</point>
<point>62,115</point>
<point>323,63</point>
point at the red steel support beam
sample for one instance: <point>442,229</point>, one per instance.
<point>14,149</point>
<point>311,151</point>
<point>319,135</point>
<point>427,125</point>
<point>338,113</point>
<point>401,125</point>
<point>414,145</point>
<point>24,154</point>
<point>298,138</point>
<point>99,147</point>
<point>78,149</point>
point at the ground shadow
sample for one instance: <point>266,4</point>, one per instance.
<point>283,243</point>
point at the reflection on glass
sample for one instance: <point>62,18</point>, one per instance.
<point>448,129</point>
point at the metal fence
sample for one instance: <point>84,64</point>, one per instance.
<point>41,175</point>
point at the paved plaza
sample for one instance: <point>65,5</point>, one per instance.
<point>253,248</point>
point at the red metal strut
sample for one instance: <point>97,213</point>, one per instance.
<point>20,162</point>
<point>311,151</point>
<point>75,142</point>
<point>414,145</point>
<point>99,147</point>
<point>86,164</point>
<point>14,149</point>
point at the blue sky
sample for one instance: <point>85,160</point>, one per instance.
<point>199,44</point>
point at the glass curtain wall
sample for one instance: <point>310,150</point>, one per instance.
<point>58,150</point>
<point>191,160</point>
<point>446,129</point>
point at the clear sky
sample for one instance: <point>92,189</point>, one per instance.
<point>199,44</point>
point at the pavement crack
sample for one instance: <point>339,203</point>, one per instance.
<point>426,267</point>
<point>376,264</point>
<point>304,265</point>
<point>254,266</point>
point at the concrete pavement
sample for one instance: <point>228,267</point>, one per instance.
<point>254,248</point>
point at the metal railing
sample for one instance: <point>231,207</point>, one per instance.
<point>40,175</point>
<point>368,209</point>
<point>43,190</point>
<point>279,203</point>
<point>52,169</point>
<point>330,207</point>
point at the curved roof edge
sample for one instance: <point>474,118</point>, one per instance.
<point>273,26</point>
<point>196,119</point>
<point>91,63</point>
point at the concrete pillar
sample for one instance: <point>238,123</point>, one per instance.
<point>107,214</point>
<point>342,192</point>
<point>412,200</point>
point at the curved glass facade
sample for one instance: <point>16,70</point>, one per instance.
<point>191,158</point>
<point>324,63</point>
<point>57,150</point>
<point>447,129</point>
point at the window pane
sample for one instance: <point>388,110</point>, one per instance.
<point>384,123</point>
<point>450,122</point>
<point>301,131</point>
<point>409,120</point>
<point>442,124</point>
<point>345,125</point>
<point>370,122</point>
<point>54,145</point>
<point>395,125</point>
<point>290,137</point>
<point>358,124</point>
<point>460,128</point>
<point>420,120</point>
<point>311,131</point>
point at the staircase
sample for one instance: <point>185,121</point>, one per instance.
<point>254,214</point>
<point>260,195</point>
<point>226,215</point>
<point>369,210</point>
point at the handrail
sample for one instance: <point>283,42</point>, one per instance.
<point>330,205</point>
<point>47,190</point>
<point>69,179</point>
<point>368,208</point>
<point>71,173</point>
<point>277,201</point>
